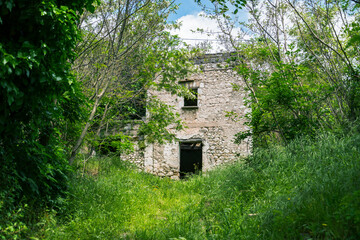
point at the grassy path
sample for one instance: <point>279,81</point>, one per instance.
<point>307,190</point>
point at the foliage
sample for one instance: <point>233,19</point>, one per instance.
<point>117,143</point>
<point>36,48</point>
<point>286,101</point>
<point>308,189</point>
<point>13,227</point>
<point>300,67</point>
<point>160,116</point>
<point>123,55</point>
<point>224,5</point>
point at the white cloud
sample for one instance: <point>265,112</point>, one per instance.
<point>188,31</point>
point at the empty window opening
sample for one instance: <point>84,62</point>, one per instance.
<point>191,102</point>
<point>190,158</point>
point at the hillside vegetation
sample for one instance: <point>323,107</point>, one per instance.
<point>307,190</point>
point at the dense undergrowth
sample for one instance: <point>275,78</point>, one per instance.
<point>307,190</point>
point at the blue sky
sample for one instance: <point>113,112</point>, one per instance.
<point>189,14</point>
<point>187,7</point>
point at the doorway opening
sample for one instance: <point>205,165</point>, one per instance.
<point>190,158</point>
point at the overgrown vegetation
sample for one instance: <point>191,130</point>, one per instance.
<point>67,68</point>
<point>70,69</point>
<point>300,64</point>
<point>306,190</point>
<point>126,51</point>
<point>37,93</point>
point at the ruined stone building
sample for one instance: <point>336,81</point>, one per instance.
<point>208,140</point>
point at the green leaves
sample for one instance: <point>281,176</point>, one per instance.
<point>114,144</point>
<point>10,4</point>
<point>160,116</point>
<point>37,41</point>
<point>285,99</point>
<point>301,79</point>
<point>125,61</point>
<point>223,5</point>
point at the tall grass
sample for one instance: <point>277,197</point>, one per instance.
<point>307,190</point>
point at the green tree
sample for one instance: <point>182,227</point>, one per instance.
<point>37,91</point>
<point>300,66</point>
<point>126,51</point>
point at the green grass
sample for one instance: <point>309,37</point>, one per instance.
<point>307,190</point>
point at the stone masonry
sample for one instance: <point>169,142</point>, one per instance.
<point>206,122</point>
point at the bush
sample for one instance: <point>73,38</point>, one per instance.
<point>36,89</point>
<point>118,143</point>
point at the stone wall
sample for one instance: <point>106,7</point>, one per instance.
<point>206,122</point>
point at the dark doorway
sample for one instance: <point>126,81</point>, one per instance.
<point>190,158</point>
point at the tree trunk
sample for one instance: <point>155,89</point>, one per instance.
<point>80,140</point>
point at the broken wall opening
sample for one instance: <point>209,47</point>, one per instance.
<point>190,158</point>
<point>191,102</point>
